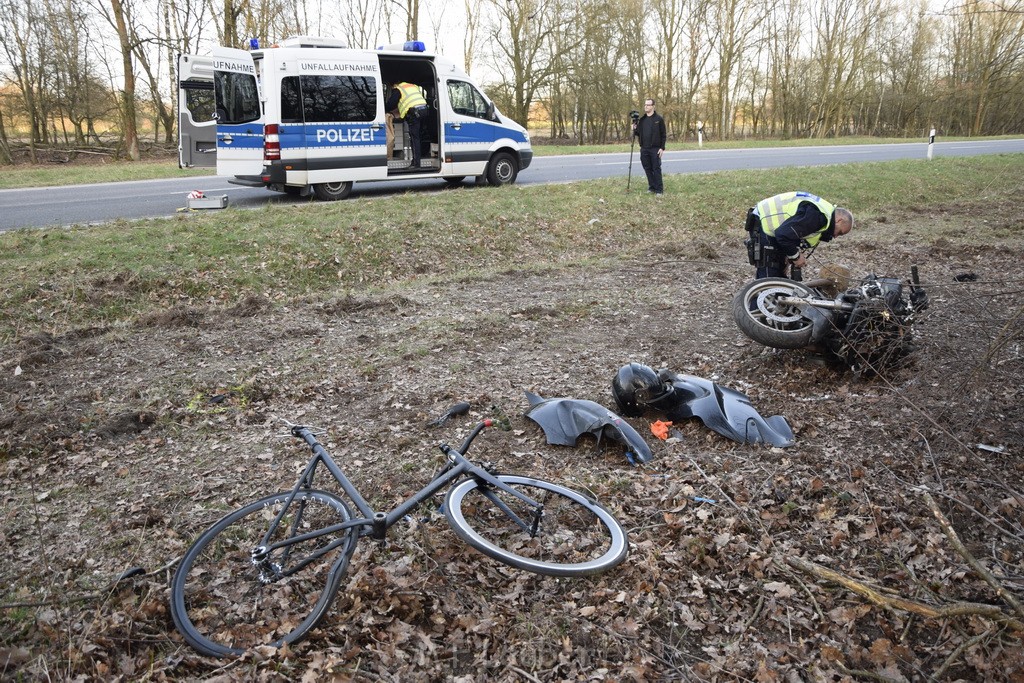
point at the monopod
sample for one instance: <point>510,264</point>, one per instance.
<point>634,116</point>
<point>629,176</point>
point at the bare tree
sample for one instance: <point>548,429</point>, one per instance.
<point>472,11</point>
<point>790,69</point>
<point>782,67</point>
<point>186,22</point>
<point>5,145</point>
<point>22,49</point>
<point>685,28</point>
<point>129,122</point>
<point>367,19</point>
<point>986,57</point>
<point>845,35</point>
<point>907,46</point>
<point>412,17</point>
<point>588,96</point>
<point>737,23</point>
<point>142,46</point>
<point>521,35</point>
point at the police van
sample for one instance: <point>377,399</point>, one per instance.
<point>308,116</point>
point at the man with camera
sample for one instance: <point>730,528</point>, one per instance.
<point>650,129</point>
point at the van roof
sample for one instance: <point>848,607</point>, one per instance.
<point>313,41</point>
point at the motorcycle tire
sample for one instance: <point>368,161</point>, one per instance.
<point>762,317</point>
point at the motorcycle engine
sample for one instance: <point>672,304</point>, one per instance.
<point>876,334</point>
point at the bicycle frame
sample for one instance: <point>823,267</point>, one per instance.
<point>374,523</point>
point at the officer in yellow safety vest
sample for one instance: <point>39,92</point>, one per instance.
<point>782,225</point>
<point>408,100</point>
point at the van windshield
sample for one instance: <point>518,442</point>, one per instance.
<point>238,99</point>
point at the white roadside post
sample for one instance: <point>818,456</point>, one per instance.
<point>700,134</point>
<point>931,143</point>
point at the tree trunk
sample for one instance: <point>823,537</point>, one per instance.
<point>130,131</point>
<point>5,147</point>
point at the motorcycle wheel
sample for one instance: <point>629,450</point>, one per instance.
<point>761,315</point>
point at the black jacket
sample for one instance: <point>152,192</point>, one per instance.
<point>805,222</point>
<point>651,131</point>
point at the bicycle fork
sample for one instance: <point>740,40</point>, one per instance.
<point>531,526</point>
<point>268,571</point>
<point>489,483</point>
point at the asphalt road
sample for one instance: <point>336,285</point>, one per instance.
<point>104,202</point>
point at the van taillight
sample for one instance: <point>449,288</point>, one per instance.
<point>271,143</point>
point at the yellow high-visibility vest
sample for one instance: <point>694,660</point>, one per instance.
<point>774,211</point>
<point>412,96</point>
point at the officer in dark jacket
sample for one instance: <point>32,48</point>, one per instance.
<point>650,128</point>
<point>782,225</point>
<point>411,106</point>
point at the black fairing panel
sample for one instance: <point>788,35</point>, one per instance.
<point>564,420</point>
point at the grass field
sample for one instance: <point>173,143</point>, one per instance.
<point>314,249</point>
<point>144,367</point>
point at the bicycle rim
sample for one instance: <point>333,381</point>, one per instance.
<point>219,601</point>
<point>575,536</point>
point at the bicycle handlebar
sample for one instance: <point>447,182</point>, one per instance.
<point>305,433</point>
<point>480,426</point>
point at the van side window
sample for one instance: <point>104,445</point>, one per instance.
<point>467,100</point>
<point>328,99</point>
<point>291,100</point>
<point>238,98</point>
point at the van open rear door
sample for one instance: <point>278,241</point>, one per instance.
<point>239,114</point>
<point>197,125</point>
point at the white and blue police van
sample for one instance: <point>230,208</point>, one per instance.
<point>308,116</point>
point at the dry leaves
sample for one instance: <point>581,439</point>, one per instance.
<point>119,446</point>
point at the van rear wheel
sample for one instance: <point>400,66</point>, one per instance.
<point>332,192</point>
<point>502,170</point>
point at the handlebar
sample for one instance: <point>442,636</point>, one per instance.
<point>306,433</point>
<point>480,426</point>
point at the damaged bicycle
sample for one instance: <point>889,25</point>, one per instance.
<point>266,574</point>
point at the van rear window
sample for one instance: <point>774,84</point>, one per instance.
<point>238,99</point>
<point>199,100</point>
<point>328,99</point>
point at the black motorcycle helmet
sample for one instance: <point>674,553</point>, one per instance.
<point>635,387</point>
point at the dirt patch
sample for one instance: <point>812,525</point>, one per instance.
<point>119,445</point>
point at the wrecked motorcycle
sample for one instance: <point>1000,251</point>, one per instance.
<point>865,326</point>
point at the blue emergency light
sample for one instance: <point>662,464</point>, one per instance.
<point>254,43</point>
<point>414,46</point>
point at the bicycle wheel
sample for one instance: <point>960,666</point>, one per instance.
<point>572,536</point>
<point>224,603</point>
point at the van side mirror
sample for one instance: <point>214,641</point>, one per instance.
<point>491,112</point>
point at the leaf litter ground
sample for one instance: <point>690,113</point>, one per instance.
<point>123,443</point>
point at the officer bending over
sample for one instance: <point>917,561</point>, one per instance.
<point>780,226</point>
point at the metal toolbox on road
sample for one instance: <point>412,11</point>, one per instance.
<point>220,202</point>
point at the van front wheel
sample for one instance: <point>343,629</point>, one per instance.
<point>502,170</point>
<point>332,192</point>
